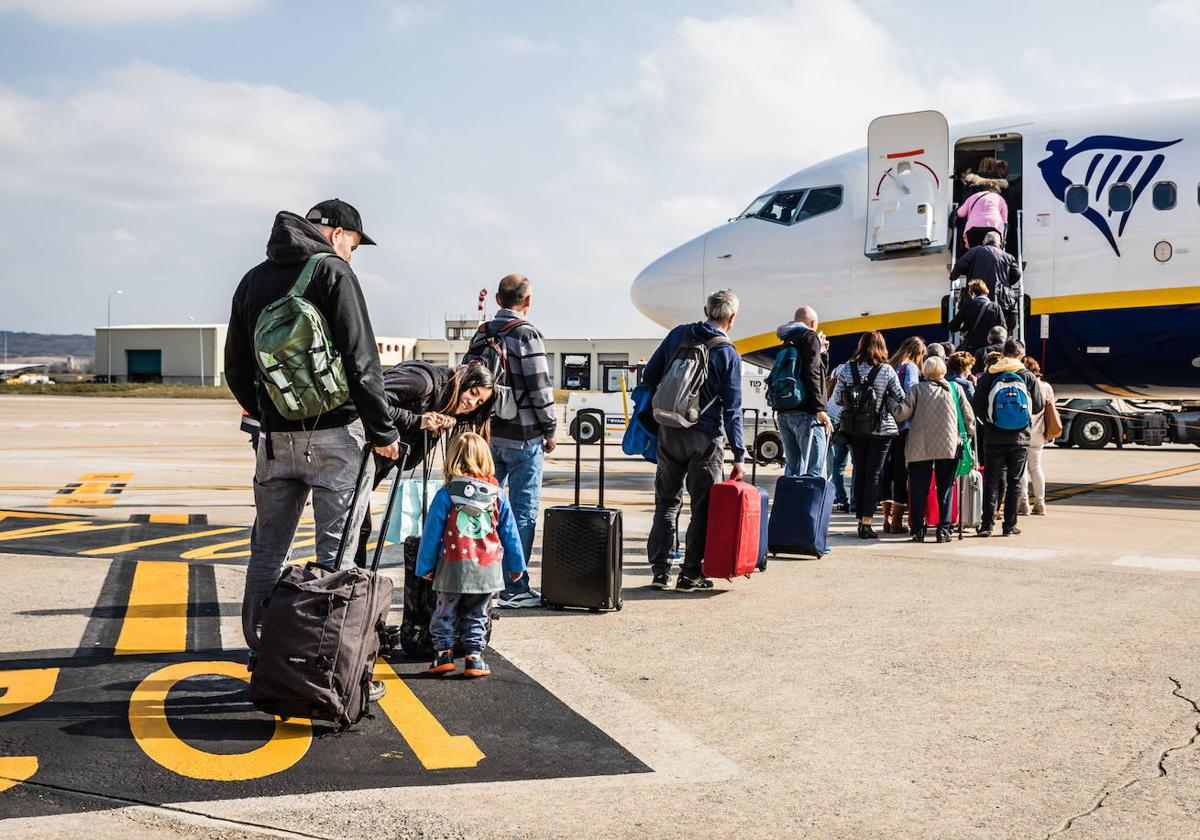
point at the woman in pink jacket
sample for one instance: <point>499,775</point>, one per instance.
<point>985,210</point>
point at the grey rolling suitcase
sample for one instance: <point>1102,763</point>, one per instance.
<point>581,549</point>
<point>322,630</point>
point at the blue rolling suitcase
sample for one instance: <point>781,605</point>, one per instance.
<point>764,500</point>
<point>799,522</point>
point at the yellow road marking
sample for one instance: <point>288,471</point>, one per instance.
<point>25,687</point>
<point>133,546</point>
<point>94,490</point>
<point>75,526</point>
<point>16,769</point>
<point>434,747</point>
<point>1118,482</point>
<point>169,518</point>
<point>153,733</point>
<point>19,514</point>
<point>156,618</point>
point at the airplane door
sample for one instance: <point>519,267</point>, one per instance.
<point>908,185</point>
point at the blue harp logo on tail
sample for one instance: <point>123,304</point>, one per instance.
<point>1096,162</point>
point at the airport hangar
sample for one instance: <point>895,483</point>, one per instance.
<point>194,354</point>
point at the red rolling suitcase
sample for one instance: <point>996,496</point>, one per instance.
<point>731,543</point>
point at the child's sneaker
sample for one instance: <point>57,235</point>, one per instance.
<point>443,663</point>
<point>476,667</point>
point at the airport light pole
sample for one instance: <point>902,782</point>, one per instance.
<point>192,318</point>
<point>108,331</point>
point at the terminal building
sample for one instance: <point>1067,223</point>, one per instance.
<point>195,354</point>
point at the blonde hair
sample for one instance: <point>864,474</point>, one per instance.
<point>934,368</point>
<point>470,455</point>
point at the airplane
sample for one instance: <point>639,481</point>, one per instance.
<point>1104,217</point>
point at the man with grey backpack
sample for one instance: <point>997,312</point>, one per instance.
<point>301,358</point>
<point>696,375</point>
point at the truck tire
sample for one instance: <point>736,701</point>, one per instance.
<point>1092,432</point>
<point>586,430</point>
<point>768,448</point>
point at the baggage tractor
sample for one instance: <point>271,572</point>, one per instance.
<point>971,501</point>
<point>733,535</point>
<point>581,548</point>
<point>764,501</point>
<point>322,630</point>
<point>799,522</point>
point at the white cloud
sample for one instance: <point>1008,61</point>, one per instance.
<point>110,12</point>
<point>1174,14</point>
<point>520,46</point>
<point>148,136</point>
<point>121,235</point>
<point>406,14</point>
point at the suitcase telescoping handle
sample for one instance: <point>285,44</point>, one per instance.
<point>753,447</point>
<point>599,415</point>
<point>358,485</point>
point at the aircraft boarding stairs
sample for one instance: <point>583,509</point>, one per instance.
<point>957,286</point>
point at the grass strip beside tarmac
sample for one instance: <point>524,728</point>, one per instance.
<point>119,389</point>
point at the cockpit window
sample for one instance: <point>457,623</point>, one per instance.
<point>781,208</point>
<point>820,200</point>
<point>755,206</point>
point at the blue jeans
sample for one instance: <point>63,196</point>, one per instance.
<point>520,469</point>
<point>460,617</point>
<point>839,454</point>
<point>804,443</point>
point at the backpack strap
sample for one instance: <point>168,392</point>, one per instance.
<point>306,274</point>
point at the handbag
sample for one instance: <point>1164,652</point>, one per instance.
<point>1053,420</point>
<point>965,455</point>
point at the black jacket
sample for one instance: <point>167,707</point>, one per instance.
<point>993,266</point>
<point>335,291</point>
<point>983,387</point>
<point>975,318</point>
<point>813,364</point>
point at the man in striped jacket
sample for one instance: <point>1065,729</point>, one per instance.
<point>519,446</point>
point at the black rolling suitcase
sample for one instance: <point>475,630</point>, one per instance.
<point>581,549</point>
<point>322,630</point>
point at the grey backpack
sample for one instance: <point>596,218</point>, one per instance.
<point>676,401</point>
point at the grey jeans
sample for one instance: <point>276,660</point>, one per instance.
<point>691,458</point>
<point>281,488</point>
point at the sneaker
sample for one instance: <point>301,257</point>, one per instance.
<point>475,666</point>
<point>842,507</point>
<point>687,584</point>
<point>661,580</point>
<point>443,663</point>
<point>375,690</point>
<point>1023,508</point>
<point>1014,531</point>
<point>520,600</point>
<point>984,531</point>
<point>1039,507</point>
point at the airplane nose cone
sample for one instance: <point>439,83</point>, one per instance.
<point>671,289</point>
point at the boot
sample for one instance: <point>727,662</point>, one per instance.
<point>886,509</point>
<point>897,518</point>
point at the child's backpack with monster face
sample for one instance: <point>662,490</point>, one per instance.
<point>472,554</point>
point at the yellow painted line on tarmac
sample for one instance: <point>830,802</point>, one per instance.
<point>58,529</point>
<point>434,747</point>
<point>156,618</point>
<point>134,546</point>
<point>94,489</point>
<point>20,514</point>
<point>1120,482</point>
<point>16,769</point>
<point>169,518</point>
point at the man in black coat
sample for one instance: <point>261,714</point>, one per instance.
<point>318,457</point>
<point>976,317</point>
<point>998,270</point>
<point>1005,450</point>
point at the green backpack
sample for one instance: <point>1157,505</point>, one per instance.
<point>302,371</point>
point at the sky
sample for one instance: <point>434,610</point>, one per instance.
<point>145,145</point>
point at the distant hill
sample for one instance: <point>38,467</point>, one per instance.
<point>46,344</point>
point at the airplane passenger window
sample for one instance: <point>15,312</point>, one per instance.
<point>1120,198</point>
<point>781,208</point>
<point>820,200</point>
<point>1076,200</point>
<point>1164,195</point>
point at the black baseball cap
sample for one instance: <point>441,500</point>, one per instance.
<point>337,213</point>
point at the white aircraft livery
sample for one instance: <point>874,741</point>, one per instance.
<point>1103,216</point>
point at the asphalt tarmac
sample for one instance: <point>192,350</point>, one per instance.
<point>1034,686</point>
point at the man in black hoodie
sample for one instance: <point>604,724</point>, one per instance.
<point>319,456</point>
